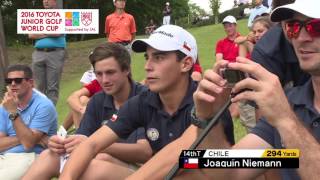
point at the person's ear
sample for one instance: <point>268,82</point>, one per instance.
<point>186,64</point>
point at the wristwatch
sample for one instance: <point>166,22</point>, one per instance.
<point>200,123</point>
<point>13,116</point>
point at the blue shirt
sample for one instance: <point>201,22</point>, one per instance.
<point>301,100</point>
<point>257,11</point>
<point>51,42</point>
<point>146,110</point>
<point>101,108</point>
<point>39,114</point>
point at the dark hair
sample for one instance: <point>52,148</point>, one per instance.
<point>19,67</point>
<point>277,3</point>
<point>107,50</point>
<point>180,55</point>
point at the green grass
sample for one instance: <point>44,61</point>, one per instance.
<point>77,63</point>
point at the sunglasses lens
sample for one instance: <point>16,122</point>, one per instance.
<point>313,28</point>
<point>293,29</point>
<point>8,81</point>
<point>16,80</point>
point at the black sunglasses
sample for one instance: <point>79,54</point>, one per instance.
<point>16,80</point>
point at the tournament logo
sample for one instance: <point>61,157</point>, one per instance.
<point>153,134</point>
<point>86,18</point>
<point>72,18</point>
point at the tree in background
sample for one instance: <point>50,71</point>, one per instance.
<point>196,12</point>
<point>3,56</point>
<point>215,6</point>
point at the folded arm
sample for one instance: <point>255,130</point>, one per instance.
<point>7,142</point>
<point>139,152</point>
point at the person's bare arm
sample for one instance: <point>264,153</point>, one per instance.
<point>74,100</point>
<point>139,152</point>
<point>27,137</point>
<point>7,142</point>
<point>294,135</point>
<point>243,51</point>
<point>161,163</point>
<point>86,151</point>
<point>219,57</point>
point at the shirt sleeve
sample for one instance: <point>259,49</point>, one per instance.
<point>128,118</point>
<point>43,118</point>
<point>272,64</point>
<point>133,28</point>
<point>93,87</point>
<point>3,121</point>
<point>197,68</point>
<point>219,47</point>
<point>141,133</point>
<point>106,26</point>
<point>85,79</point>
<point>265,131</point>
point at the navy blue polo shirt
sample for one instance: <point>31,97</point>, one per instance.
<point>100,108</point>
<point>301,100</point>
<point>276,54</point>
<point>146,110</point>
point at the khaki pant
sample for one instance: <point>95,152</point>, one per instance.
<point>14,165</point>
<point>247,115</point>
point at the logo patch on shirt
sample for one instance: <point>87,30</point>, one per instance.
<point>113,117</point>
<point>153,134</point>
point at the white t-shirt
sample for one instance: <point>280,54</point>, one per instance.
<point>87,77</point>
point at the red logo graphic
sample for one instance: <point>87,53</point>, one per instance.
<point>114,118</point>
<point>185,45</point>
<point>86,18</point>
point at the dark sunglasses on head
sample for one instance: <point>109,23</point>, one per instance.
<point>293,28</point>
<point>16,80</point>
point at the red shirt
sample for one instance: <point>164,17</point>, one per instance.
<point>197,67</point>
<point>228,48</point>
<point>93,87</point>
<point>120,27</point>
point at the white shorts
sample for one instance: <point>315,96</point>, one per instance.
<point>14,165</point>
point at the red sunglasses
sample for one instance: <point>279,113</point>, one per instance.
<point>293,28</point>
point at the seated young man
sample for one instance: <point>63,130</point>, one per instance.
<point>78,101</point>
<point>27,119</point>
<point>164,110</point>
<point>111,64</point>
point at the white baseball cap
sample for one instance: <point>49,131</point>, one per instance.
<point>229,19</point>
<point>114,1</point>
<point>167,3</point>
<point>169,38</point>
<point>308,8</point>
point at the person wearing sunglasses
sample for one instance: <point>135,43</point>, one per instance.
<point>279,58</point>
<point>291,123</point>
<point>290,120</point>
<point>27,119</point>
